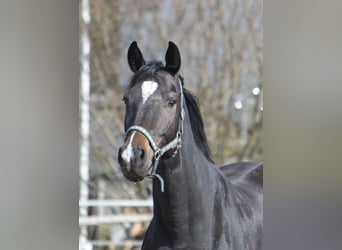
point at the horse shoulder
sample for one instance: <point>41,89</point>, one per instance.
<point>246,180</point>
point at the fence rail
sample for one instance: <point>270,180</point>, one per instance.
<point>116,218</point>
<point>116,203</point>
<point>101,243</point>
<point>85,221</point>
<point>112,219</point>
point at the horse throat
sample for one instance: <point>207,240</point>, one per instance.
<point>181,205</point>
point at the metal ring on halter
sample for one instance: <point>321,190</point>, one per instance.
<point>157,154</point>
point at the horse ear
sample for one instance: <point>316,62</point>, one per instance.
<point>172,58</point>
<point>135,58</point>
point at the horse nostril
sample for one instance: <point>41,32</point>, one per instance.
<point>119,156</point>
<point>142,154</point>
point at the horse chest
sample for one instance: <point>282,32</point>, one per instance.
<point>185,232</point>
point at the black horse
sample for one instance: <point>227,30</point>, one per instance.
<point>196,204</point>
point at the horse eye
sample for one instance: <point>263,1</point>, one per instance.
<point>124,99</point>
<point>171,103</point>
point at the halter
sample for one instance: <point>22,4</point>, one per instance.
<point>159,152</point>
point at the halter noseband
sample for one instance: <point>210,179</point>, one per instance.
<point>159,152</point>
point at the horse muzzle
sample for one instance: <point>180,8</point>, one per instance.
<point>135,157</point>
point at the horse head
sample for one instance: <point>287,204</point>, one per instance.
<point>154,100</point>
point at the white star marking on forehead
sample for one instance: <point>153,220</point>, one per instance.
<point>147,89</point>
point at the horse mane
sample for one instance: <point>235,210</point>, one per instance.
<point>191,101</point>
<point>196,121</point>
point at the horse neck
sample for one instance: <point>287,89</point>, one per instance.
<point>184,176</point>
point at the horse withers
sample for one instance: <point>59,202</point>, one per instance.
<point>197,205</point>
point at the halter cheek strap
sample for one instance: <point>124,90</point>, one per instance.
<point>174,144</point>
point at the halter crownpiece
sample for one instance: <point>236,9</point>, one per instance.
<point>159,152</point>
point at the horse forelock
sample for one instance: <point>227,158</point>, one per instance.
<point>146,72</point>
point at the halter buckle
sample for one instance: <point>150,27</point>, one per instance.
<point>182,114</point>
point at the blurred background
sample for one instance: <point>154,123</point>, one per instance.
<point>221,45</point>
<point>39,106</point>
